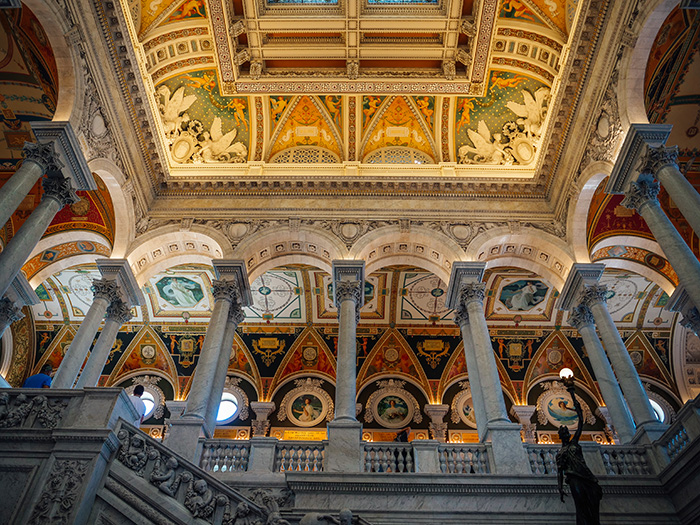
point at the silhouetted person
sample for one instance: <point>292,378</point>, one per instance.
<point>140,407</point>
<point>40,380</point>
<point>572,467</point>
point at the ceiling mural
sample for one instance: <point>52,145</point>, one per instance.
<point>505,127</point>
<point>501,122</point>
<point>184,292</point>
<point>517,296</point>
<point>200,125</point>
<point>29,81</point>
<point>672,96</point>
<point>634,300</point>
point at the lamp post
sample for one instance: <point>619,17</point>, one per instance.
<point>571,466</point>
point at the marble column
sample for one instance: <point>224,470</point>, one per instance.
<point>105,291</point>
<point>235,317</point>
<point>582,319</point>
<point>229,289</point>
<point>118,313</point>
<point>348,296</point>
<point>344,452</point>
<point>38,159</point>
<point>467,291</point>
<point>461,318</point>
<point>58,192</point>
<point>225,294</point>
<point>593,296</point>
<point>662,162</point>
<point>642,196</point>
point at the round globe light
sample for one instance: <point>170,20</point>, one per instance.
<point>566,373</point>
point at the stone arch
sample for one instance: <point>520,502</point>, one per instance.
<point>419,246</point>
<point>388,375</point>
<point>528,248</point>
<point>124,216</point>
<point>168,246</point>
<point>634,61</point>
<point>637,267</point>
<point>70,84</point>
<point>579,208</point>
<point>281,246</point>
<point>62,264</point>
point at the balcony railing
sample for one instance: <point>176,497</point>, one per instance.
<point>299,456</point>
<point>463,459</point>
<point>221,455</point>
<point>389,457</point>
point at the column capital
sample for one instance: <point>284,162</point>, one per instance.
<point>234,271</point>
<point>120,271</point>
<point>691,320</point>
<point>225,291</point>
<point>348,290</point>
<point>42,154</point>
<point>9,312</point>
<point>60,189</point>
<point>461,317</point>
<point>581,316</point>
<point>638,138</point>
<point>472,292</point>
<point>106,289</point>
<point>594,294</point>
<point>236,314</point>
<point>580,274</point>
<point>119,311</point>
<point>61,135</point>
<point>656,157</point>
<point>641,193</point>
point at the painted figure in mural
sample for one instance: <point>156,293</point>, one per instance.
<point>307,413</point>
<point>180,293</point>
<point>572,468</point>
<point>524,298</point>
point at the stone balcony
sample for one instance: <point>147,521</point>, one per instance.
<point>68,456</point>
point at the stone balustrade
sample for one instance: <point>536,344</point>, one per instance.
<point>463,459</point>
<point>299,456</point>
<point>225,456</point>
<point>84,452</point>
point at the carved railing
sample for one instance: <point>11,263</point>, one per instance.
<point>626,461</point>
<point>202,495</point>
<point>389,457</point>
<point>299,456</point>
<point>463,459</point>
<point>683,430</point>
<point>222,455</point>
<point>32,409</point>
<point>543,459</point>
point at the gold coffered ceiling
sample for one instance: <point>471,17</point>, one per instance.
<point>443,88</point>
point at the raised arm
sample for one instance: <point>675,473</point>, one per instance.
<point>579,413</point>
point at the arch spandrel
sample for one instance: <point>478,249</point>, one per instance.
<point>392,356</point>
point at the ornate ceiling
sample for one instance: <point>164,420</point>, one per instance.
<point>440,88</point>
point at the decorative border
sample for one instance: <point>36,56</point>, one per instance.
<point>312,87</point>
<point>391,387</point>
<point>457,406</point>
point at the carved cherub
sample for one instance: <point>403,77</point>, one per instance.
<point>167,481</point>
<point>199,499</point>
<point>18,414</point>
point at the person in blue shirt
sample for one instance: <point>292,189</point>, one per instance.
<point>40,380</point>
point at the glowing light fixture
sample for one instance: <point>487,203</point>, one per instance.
<point>566,373</point>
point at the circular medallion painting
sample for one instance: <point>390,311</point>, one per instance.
<point>393,411</point>
<point>465,409</point>
<point>306,410</point>
<point>559,410</point>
